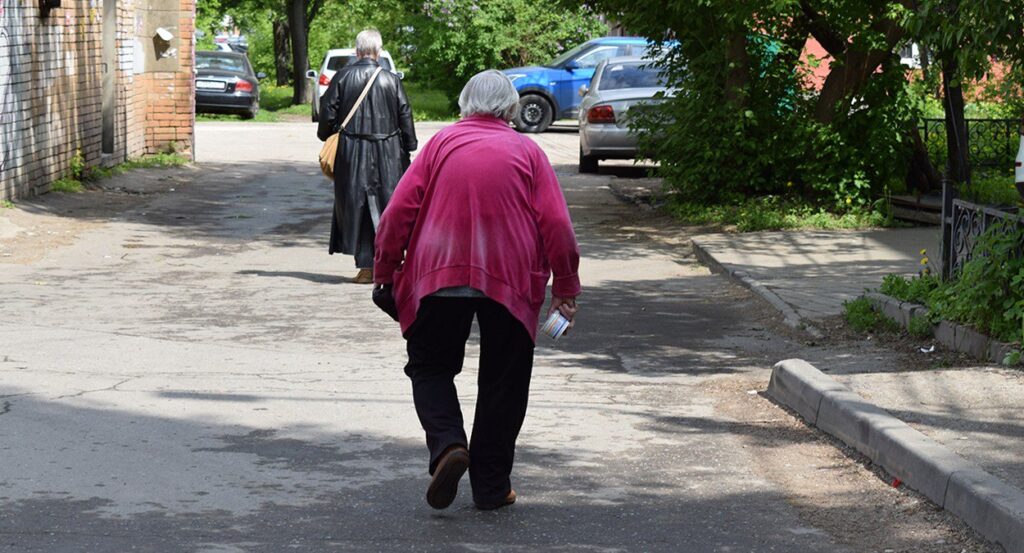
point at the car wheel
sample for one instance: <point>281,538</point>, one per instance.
<point>316,116</point>
<point>251,113</point>
<point>535,114</point>
<point>588,164</point>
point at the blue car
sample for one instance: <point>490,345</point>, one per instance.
<point>551,91</point>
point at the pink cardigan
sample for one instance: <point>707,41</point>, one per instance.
<point>480,206</point>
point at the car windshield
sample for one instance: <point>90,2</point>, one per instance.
<point>560,60</point>
<point>222,63</point>
<point>337,62</point>
<point>629,75</point>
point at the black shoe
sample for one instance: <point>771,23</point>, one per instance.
<point>445,484</point>
<point>509,499</point>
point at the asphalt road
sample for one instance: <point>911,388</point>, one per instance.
<point>192,373</point>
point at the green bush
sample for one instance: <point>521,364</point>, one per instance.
<point>769,141</point>
<point>862,317</point>
<point>916,290</point>
<point>988,294</point>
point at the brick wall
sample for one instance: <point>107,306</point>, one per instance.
<point>51,87</point>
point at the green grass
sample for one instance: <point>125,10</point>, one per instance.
<point>428,104</point>
<point>920,327</point>
<point>67,185</point>
<point>147,162</point>
<point>6,204</point>
<point>773,213</point>
<point>81,174</point>
<point>862,317</point>
<point>993,189</point>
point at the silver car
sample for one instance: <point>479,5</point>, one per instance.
<point>619,85</point>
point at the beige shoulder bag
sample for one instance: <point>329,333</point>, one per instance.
<point>330,150</point>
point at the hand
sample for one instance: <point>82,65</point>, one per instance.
<point>566,306</point>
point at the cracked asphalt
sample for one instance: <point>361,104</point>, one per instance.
<point>187,370</point>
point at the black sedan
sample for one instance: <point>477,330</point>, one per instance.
<point>225,83</point>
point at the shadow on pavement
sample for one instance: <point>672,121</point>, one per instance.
<point>311,277</point>
<point>231,488</point>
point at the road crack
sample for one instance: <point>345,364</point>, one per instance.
<point>107,389</point>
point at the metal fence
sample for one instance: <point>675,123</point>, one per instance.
<point>963,223</point>
<point>991,143</point>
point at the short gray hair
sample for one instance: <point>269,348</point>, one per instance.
<point>490,92</point>
<point>369,43</point>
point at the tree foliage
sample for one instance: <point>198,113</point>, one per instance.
<point>454,39</point>
<point>747,118</point>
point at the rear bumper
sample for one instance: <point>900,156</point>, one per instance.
<point>219,101</point>
<point>607,141</point>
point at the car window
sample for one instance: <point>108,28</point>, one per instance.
<point>337,62</point>
<point>221,63</point>
<point>557,62</point>
<point>629,75</point>
<point>597,55</point>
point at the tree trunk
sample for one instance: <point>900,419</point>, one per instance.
<point>300,55</point>
<point>956,126</point>
<point>738,75</point>
<point>282,63</point>
<point>921,175</point>
<point>859,62</point>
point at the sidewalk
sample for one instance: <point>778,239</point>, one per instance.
<point>814,272</point>
<point>973,411</point>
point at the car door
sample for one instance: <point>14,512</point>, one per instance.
<point>578,71</point>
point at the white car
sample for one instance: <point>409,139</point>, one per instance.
<point>335,60</point>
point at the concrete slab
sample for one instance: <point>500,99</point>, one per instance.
<point>833,266</point>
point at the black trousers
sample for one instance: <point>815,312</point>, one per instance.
<point>437,347</point>
<point>364,244</point>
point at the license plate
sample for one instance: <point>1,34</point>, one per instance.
<point>211,85</point>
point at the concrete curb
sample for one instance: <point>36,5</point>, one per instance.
<point>992,507</point>
<point>951,335</point>
<point>790,316</point>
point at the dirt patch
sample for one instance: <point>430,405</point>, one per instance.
<point>833,487</point>
<point>907,348</point>
<point>34,227</point>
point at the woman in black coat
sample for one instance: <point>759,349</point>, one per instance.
<point>373,151</point>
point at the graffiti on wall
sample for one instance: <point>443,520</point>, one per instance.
<point>6,55</point>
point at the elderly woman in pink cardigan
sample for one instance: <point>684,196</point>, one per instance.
<point>475,228</point>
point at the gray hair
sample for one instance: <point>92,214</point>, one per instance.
<point>489,92</point>
<point>369,43</point>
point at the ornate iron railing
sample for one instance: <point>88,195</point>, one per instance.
<point>991,143</point>
<point>968,222</point>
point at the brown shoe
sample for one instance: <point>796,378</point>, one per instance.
<point>364,276</point>
<point>444,486</point>
<point>509,499</point>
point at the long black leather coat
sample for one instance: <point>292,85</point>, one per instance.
<point>373,151</point>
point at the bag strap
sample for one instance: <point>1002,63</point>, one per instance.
<point>362,96</point>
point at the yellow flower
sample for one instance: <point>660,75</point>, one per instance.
<point>789,184</point>
<point>924,252</point>
<point>924,261</point>
<point>849,200</point>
